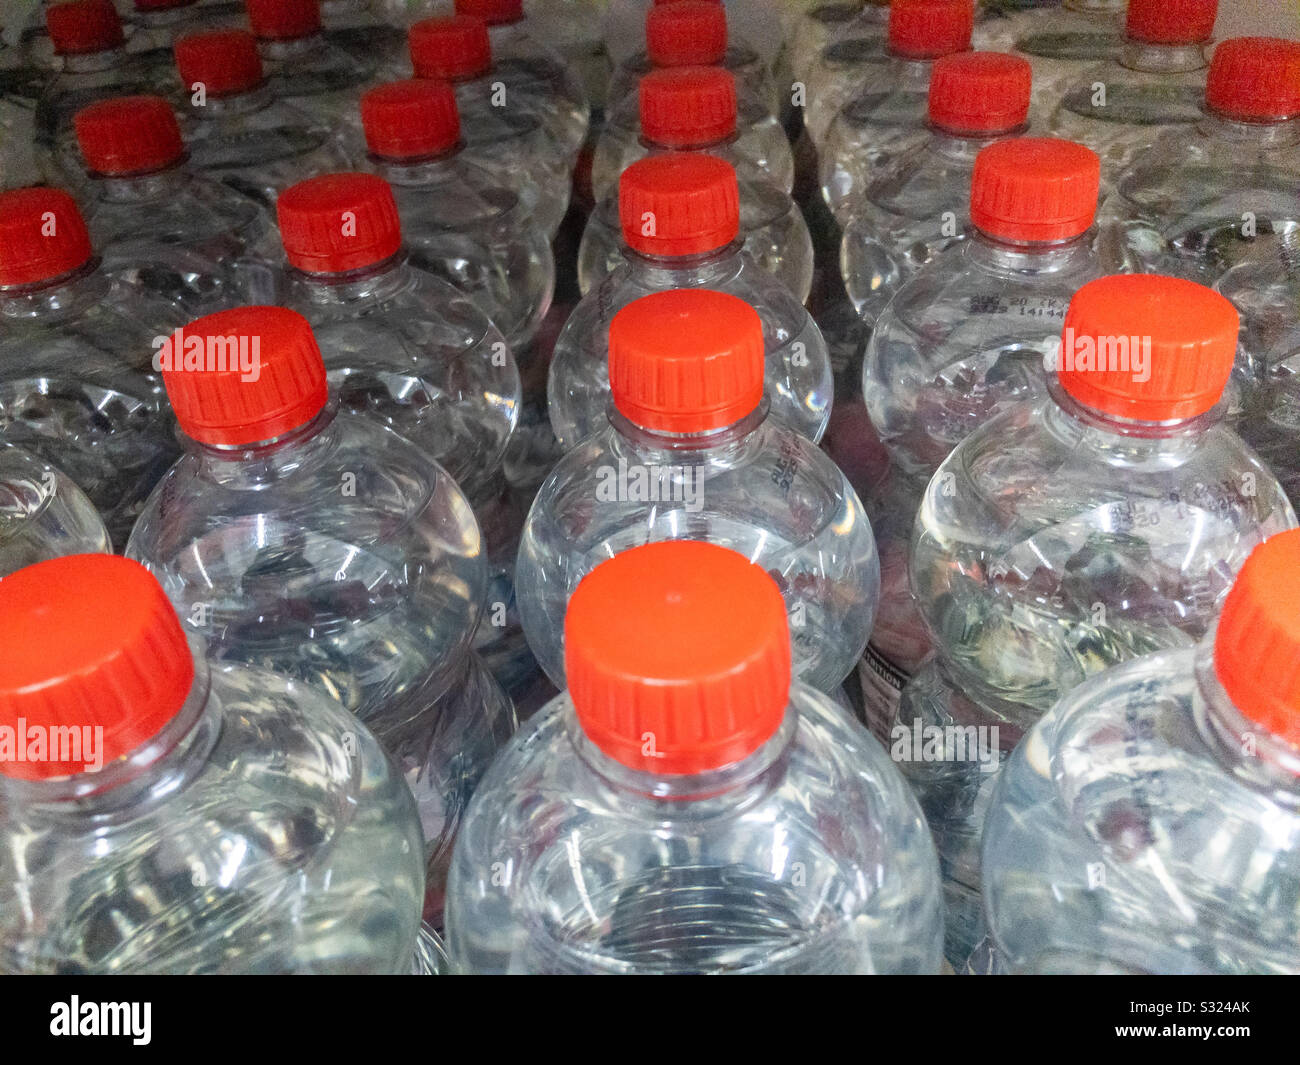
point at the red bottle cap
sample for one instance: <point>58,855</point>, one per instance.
<point>244,376</point>
<point>410,119</point>
<point>284,20</point>
<point>42,236</point>
<point>980,92</point>
<point>338,222</point>
<point>686,360</point>
<point>1257,643</point>
<point>679,204</point>
<point>677,656</point>
<point>456,47</point>
<point>687,33</point>
<point>1255,78</point>
<point>493,12</point>
<point>91,651</point>
<point>1186,333</point>
<point>128,135</point>
<point>1035,189</point>
<point>84,26</point>
<point>1171,21</point>
<point>927,29</point>
<point>688,107</point>
<point>224,62</point>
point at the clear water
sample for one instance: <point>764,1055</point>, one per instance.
<point>43,514</point>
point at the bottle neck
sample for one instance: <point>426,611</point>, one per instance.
<point>1031,257</point>
<point>683,271</point>
<point>376,281</point>
<point>257,98</point>
<point>277,51</point>
<point>714,445</point>
<point>423,170</point>
<point>1162,58</point>
<point>1253,136</point>
<point>94,62</point>
<point>264,462</point>
<point>1134,441</point>
<point>142,188</point>
<point>67,295</point>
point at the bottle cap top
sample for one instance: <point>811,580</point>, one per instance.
<point>688,107</point>
<point>1035,189</point>
<point>1255,78</point>
<point>224,62</point>
<point>1171,21</point>
<point>980,92</point>
<point>42,235</point>
<point>493,12</point>
<point>454,47</point>
<point>84,26</point>
<point>284,20</point>
<point>927,29</point>
<point>338,222</point>
<point>686,33</point>
<point>128,135</point>
<point>410,119</point>
<point>679,204</point>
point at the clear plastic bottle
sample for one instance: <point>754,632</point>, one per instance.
<point>877,105</point>
<point>42,513</point>
<point>154,26</point>
<point>210,820</point>
<point>690,453</point>
<point>1071,533</point>
<point>240,132</point>
<point>693,33</point>
<point>303,65</point>
<point>523,141</point>
<point>1206,197</point>
<point>161,227</point>
<point>298,536</point>
<point>76,383</point>
<point>459,220</point>
<point>530,66</point>
<point>696,108</point>
<point>358,26</point>
<point>844,60</point>
<point>694,203</point>
<point>815,29</point>
<point>1149,822</point>
<point>89,41</point>
<point>684,807</point>
<point>896,221</point>
<point>1155,84</point>
<point>961,342</point>
<point>693,109</point>
<point>1061,41</point>
<point>575,29</point>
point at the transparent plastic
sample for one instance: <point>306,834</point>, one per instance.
<point>752,75</point>
<point>358,26</point>
<point>153,33</point>
<point>43,515</point>
<point>318,76</point>
<point>757,487</point>
<point>798,374</point>
<point>77,387</point>
<point>212,850</point>
<point>340,555</point>
<point>814,29</point>
<point>573,28</point>
<point>461,223</point>
<point>1204,198</point>
<point>853,56</point>
<point>1145,825</point>
<point>612,870</point>
<point>1061,41</point>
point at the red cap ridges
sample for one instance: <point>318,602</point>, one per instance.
<point>410,119</point>
<point>88,642</point>
<point>684,642</point>
<point>221,404</point>
<point>454,47</point>
<point>493,12</point>
<point>679,204</point>
<point>1256,79</point>
<point>128,135</point>
<point>1171,21</point>
<point>686,360</point>
<point>224,62</point>
<point>927,29</point>
<point>338,222</point>
<point>42,235</point>
<point>1257,642</point>
<point>1034,189</point>
<point>688,107</point>
<point>686,33</point>
<point>84,26</point>
<point>1192,332</point>
<point>284,20</point>
<point>980,92</point>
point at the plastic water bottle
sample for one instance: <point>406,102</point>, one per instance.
<point>960,343</point>
<point>1148,823</point>
<point>240,133</point>
<point>693,33</point>
<point>816,28</point>
<point>299,536</point>
<point>697,109</point>
<point>154,26</point>
<point>877,105</point>
<point>844,60</point>
<point>358,26</point>
<point>1069,534</point>
<point>76,384</point>
<point>162,227</point>
<point>1208,196</point>
<point>529,65</point>
<point>200,819</point>
<point>695,242</point>
<point>693,109</point>
<point>302,64</point>
<point>520,135</point>
<point>689,452</point>
<point>1155,84</point>
<point>42,513</point>
<point>896,221</point>
<point>684,807</point>
<point>574,29</point>
<point>89,41</point>
<point>459,219</point>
